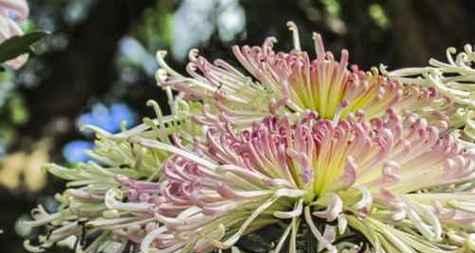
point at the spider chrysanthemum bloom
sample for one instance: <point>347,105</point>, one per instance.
<point>399,182</point>
<point>293,83</point>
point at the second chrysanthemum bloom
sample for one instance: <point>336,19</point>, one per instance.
<point>291,83</point>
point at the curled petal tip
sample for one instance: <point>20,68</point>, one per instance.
<point>319,46</point>
<point>193,55</point>
<point>161,54</point>
<point>295,34</point>
<point>291,25</point>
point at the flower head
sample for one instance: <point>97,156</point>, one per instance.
<point>365,174</point>
<point>292,82</point>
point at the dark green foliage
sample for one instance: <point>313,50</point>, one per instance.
<point>19,45</point>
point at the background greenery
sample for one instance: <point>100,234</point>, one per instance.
<point>97,66</point>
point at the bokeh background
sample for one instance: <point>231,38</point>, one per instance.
<point>97,67</point>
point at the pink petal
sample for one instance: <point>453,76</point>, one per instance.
<point>18,7</point>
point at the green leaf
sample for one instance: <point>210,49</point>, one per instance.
<point>19,45</point>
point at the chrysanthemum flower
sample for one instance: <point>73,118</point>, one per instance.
<point>402,184</point>
<point>292,82</point>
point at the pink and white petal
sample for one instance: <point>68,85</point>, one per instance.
<point>8,28</point>
<point>19,8</point>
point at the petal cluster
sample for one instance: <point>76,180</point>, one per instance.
<point>110,202</point>
<point>454,79</point>
<point>93,205</point>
